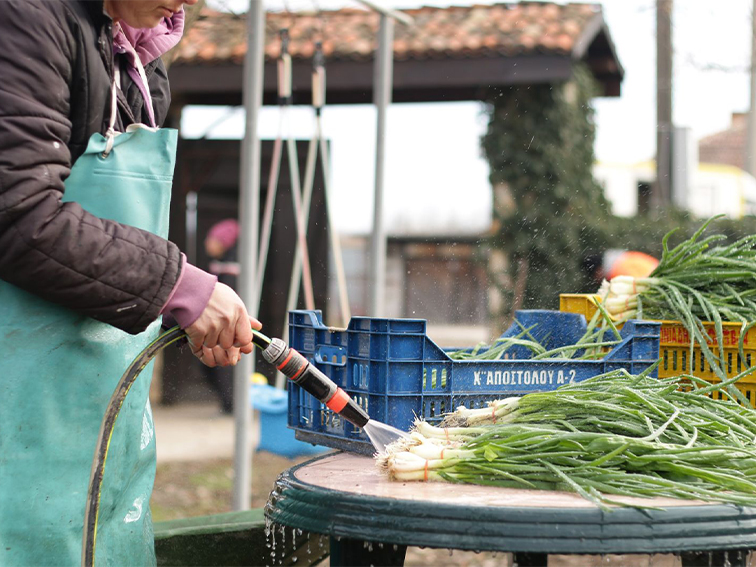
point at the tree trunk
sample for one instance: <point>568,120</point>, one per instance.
<point>520,284</point>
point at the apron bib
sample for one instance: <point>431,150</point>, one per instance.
<point>58,372</point>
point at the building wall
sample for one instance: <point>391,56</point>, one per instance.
<point>440,282</point>
<point>715,189</point>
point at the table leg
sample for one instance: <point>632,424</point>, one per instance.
<point>346,552</point>
<point>736,558</point>
<point>530,559</point>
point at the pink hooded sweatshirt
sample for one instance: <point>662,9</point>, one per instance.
<point>194,287</point>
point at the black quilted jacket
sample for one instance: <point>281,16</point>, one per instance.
<point>56,63</point>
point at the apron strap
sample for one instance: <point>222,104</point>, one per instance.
<point>110,134</point>
<point>137,72</point>
<point>144,89</point>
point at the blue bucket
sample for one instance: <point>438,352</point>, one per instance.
<point>275,435</point>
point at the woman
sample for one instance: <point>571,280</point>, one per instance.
<point>85,269</point>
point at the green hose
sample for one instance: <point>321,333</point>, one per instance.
<point>89,537</point>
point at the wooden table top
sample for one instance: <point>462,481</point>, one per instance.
<point>358,475</point>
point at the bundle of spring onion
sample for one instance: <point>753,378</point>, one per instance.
<point>694,282</point>
<point>694,279</point>
<point>615,434</point>
<point>593,344</point>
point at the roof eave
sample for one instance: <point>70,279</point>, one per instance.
<point>595,31</point>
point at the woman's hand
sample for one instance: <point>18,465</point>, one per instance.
<point>223,331</point>
<point>218,356</point>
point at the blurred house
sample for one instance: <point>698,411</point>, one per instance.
<point>728,146</point>
<point>449,54</point>
<point>440,278</point>
<point>710,177</point>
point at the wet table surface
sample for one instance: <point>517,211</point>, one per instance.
<point>347,497</point>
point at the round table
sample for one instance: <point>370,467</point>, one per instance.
<point>346,497</point>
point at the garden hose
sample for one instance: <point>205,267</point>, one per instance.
<point>295,366</point>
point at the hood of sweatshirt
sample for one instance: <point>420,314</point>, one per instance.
<point>151,43</point>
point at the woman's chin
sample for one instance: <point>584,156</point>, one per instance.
<point>145,22</point>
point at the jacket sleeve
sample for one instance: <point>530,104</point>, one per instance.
<point>112,272</point>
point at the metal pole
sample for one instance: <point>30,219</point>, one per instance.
<point>249,213</point>
<point>382,99</point>
<point>663,103</point>
<point>398,16</point>
<point>191,227</point>
<point>750,157</point>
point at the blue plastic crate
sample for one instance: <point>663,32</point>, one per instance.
<point>394,371</point>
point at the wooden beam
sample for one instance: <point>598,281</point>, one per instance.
<point>350,82</point>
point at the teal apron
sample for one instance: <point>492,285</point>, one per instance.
<point>58,370</point>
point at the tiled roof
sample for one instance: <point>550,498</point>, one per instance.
<point>351,34</point>
<point>726,147</point>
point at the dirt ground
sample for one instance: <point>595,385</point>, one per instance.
<point>199,488</point>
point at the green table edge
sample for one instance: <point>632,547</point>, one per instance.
<point>298,504</point>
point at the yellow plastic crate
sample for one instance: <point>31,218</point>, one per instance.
<point>674,346</point>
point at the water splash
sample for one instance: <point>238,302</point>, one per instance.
<point>381,435</point>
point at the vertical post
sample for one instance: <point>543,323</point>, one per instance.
<point>249,219</point>
<point>663,192</point>
<point>382,98</point>
<point>684,163</point>
<point>750,157</point>
<point>191,227</point>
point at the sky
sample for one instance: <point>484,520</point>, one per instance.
<point>436,178</point>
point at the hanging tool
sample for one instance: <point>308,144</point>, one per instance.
<point>319,86</point>
<point>317,142</point>
<point>295,366</point>
<point>284,102</point>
